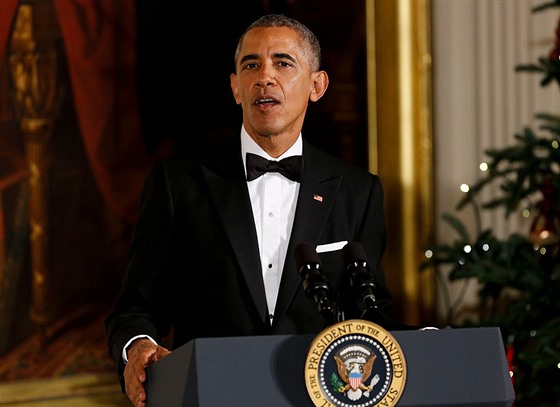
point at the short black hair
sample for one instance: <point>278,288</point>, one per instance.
<point>313,51</point>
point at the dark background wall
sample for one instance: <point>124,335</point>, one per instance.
<point>185,58</point>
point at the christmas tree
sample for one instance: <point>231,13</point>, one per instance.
<point>519,276</point>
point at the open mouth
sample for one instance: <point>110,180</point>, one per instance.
<point>265,101</point>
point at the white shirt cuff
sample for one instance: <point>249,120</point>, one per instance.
<point>125,349</point>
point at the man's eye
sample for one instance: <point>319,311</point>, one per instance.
<point>250,66</point>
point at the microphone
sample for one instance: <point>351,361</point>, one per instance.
<point>315,284</point>
<point>362,282</point>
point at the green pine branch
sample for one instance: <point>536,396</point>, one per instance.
<point>521,170</point>
<point>549,68</point>
<point>544,6</point>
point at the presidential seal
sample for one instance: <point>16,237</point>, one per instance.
<point>355,363</point>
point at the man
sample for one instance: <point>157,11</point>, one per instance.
<point>213,250</point>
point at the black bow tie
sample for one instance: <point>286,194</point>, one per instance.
<point>290,167</point>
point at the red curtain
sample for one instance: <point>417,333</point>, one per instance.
<point>6,17</point>
<point>100,42</point>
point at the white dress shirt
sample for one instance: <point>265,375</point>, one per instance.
<point>273,199</point>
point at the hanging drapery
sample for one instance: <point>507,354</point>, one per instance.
<point>9,8</point>
<point>100,43</point>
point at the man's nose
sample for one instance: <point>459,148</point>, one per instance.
<point>267,75</point>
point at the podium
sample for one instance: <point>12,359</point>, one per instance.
<point>459,367</point>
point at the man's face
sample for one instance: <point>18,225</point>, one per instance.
<point>273,82</point>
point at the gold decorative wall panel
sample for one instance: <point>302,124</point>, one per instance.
<point>400,141</point>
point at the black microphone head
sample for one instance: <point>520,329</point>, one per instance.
<point>354,251</point>
<point>361,280</point>
<point>305,254</point>
<point>315,284</point>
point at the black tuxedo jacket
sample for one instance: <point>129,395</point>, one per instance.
<point>194,267</point>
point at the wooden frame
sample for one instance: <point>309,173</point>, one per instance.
<point>400,145</point>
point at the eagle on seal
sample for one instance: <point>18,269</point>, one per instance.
<point>354,373</point>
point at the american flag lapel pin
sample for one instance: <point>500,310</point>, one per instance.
<point>318,198</point>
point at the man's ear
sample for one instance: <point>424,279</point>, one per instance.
<point>320,85</point>
<point>234,89</point>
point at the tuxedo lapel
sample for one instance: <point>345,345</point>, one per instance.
<point>226,182</point>
<point>317,194</point>
<point>228,189</point>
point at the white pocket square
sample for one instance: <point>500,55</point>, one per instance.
<point>330,247</point>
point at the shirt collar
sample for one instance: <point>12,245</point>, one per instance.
<point>248,145</point>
